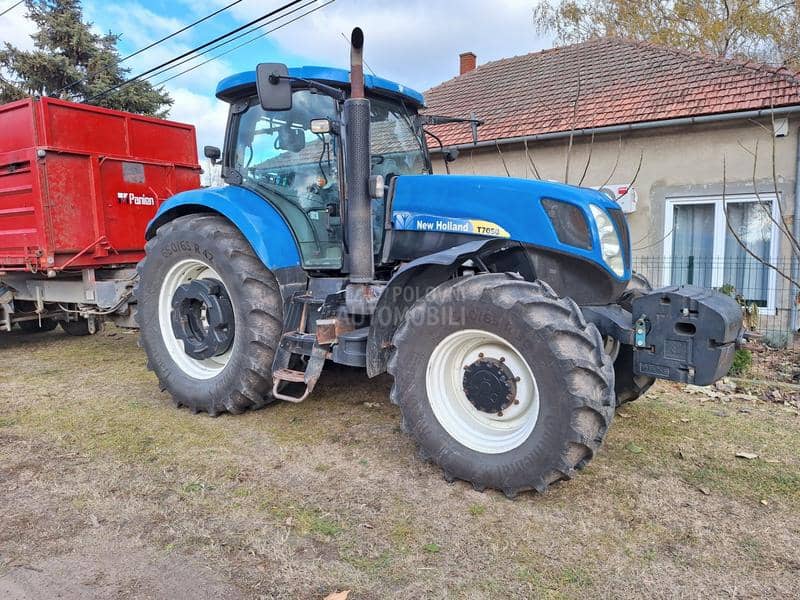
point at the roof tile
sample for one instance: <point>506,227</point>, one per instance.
<point>619,81</point>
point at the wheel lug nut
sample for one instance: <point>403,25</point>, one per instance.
<point>480,354</point>
<point>517,378</point>
<point>502,359</point>
<point>499,413</point>
<point>516,401</point>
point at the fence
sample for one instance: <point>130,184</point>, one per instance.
<point>770,301</point>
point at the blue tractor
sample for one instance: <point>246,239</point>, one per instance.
<point>504,309</point>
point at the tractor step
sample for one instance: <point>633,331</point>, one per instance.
<point>309,377</point>
<point>290,375</point>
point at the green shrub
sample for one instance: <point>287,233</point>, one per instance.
<point>742,361</point>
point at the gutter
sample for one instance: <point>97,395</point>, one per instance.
<point>749,114</point>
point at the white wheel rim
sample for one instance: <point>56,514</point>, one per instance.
<point>483,432</point>
<point>183,272</point>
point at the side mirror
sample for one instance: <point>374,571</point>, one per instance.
<point>290,139</point>
<point>212,153</point>
<point>274,87</point>
<point>321,126</point>
<point>450,154</point>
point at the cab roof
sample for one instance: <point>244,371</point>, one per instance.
<point>233,87</point>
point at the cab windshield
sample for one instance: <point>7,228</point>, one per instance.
<point>298,171</point>
<point>395,143</point>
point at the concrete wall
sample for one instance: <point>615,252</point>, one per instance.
<point>685,161</point>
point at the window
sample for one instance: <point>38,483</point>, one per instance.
<point>699,248</point>
<point>279,157</point>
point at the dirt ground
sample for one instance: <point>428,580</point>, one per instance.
<point>108,491</point>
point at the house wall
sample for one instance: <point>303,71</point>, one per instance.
<point>678,161</point>
<point>675,162</point>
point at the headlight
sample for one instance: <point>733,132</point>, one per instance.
<point>610,246</point>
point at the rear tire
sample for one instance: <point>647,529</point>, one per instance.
<point>80,327</point>
<point>627,385</point>
<point>37,327</point>
<point>565,384</point>
<point>209,248</point>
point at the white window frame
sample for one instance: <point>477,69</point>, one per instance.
<point>720,229</point>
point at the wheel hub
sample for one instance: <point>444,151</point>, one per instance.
<point>490,385</point>
<point>202,318</point>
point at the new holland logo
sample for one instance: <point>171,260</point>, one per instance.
<point>131,198</point>
<point>421,222</point>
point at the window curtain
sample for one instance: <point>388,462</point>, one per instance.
<point>693,244</point>
<point>752,223</point>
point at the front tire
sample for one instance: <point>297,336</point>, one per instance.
<point>216,353</point>
<point>501,383</point>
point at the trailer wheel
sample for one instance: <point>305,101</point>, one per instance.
<point>37,327</point>
<point>629,386</point>
<point>81,327</point>
<point>210,314</point>
<point>501,383</point>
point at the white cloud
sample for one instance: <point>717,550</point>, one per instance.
<point>207,113</point>
<point>16,29</point>
<point>416,42</point>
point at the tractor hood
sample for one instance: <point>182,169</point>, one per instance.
<point>551,216</point>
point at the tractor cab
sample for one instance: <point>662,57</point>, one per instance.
<point>291,153</point>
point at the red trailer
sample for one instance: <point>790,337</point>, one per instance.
<point>78,185</point>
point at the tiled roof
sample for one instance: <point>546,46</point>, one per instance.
<point>615,82</point>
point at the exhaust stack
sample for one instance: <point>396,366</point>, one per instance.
<point>357,151</point>
<point>357,63</point>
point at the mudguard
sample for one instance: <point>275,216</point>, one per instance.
<point>413,281</point>
<point>261,224</point>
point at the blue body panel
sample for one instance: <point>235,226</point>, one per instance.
<point>259,222</point>
<point>228,87</point>
<point>494,207</point>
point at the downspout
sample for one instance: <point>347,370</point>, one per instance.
<point>796,234</point>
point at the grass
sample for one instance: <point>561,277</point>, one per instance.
<point>299,500</point>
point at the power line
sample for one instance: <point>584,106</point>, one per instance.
<point>146,48</point>
<point>226,42</point>
<point>198,48</point>
<point>250,41</point>
<point>180,31</point>
<point>12,7</point>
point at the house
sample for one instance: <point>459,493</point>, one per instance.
<point>676,136</point>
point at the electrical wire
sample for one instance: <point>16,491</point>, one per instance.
<point>264,17</point>
<point>250,41</point>
<point>10,8</point>
<point>226,42</point>
<point>149,46</point>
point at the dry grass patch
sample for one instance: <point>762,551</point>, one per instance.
<point>295,501</point>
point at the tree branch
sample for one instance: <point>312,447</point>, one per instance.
<point>588,160</point>
<point>530,160</point>
<point>572,127</point>
<point>739,239</point>
<point>502,158</point>
<point>616,163</point>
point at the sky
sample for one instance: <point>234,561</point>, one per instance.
<point>413,42</point>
